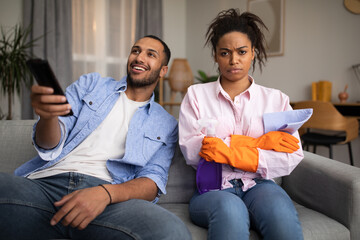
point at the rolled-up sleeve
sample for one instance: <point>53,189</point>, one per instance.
<point>157,168</point>
<point>50,154</point>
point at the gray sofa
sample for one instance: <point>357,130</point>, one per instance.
<point>326,193</point>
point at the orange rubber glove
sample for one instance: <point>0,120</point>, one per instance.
<point>244,158</point>
<point>276,140</point>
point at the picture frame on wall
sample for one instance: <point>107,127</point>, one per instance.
<point>272,14</point>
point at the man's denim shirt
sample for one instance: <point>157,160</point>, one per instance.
<point>151,138</point>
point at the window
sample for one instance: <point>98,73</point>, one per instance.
<point>103,33</point>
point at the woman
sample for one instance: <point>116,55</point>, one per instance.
<point>250,158</point>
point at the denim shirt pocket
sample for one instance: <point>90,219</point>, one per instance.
<point>90,102</point>
<point>152,143</point>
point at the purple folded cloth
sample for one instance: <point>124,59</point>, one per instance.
<point>288,121</point>
<point>208,176</point>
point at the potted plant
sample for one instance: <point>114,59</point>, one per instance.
<point>204,78</point>
<point>14,52</point>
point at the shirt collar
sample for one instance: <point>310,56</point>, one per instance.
<point>251,90</point>
<point>149,106</point>
<point>121,85</point>
<point>248,92</point>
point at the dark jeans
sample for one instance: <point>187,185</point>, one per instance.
<point>26,207</point>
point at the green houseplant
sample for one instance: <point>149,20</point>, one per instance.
<point>14,52</point>
<point>204,78</point>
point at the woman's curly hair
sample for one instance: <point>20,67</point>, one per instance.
<point>232,21</point>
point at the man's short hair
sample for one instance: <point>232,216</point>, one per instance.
<point>166,48</point>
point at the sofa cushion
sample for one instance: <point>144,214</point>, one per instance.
<point>15,144</point>
<point>181,183</point>
<point>319,226</point>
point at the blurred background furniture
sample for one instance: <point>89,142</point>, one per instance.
<point>349,109</point>
<point>335,128</point>
<point>180,77</point>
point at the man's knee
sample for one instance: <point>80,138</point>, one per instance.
<point>173,228</point>
<point>167,225</point>
<point>145,220</point>
<point>6,184</point>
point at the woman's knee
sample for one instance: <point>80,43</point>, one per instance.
<point>273,213</point>
<point>223,213</point>
<point>10,185</point>
<point>219,206</point>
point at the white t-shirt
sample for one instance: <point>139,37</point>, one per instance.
<point>106,142</point>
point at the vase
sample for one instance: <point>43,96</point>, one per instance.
<point>343,96</point>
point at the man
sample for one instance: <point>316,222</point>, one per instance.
<point>99,169</point>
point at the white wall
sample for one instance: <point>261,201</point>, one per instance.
<point>10,14</point>
<point>174,27</point>
<point>174,34</point>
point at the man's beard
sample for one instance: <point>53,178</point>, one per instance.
<point>139,83</point>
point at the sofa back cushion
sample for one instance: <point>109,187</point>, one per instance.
<point>181,183</point>
<point>15,144</point>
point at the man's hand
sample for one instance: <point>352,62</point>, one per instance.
<point>79,208</point>
<point>46,105</point>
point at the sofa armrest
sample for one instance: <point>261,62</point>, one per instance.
<point>329,187</point>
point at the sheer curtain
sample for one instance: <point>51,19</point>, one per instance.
<point>103,32</point>
<point>149,18</point>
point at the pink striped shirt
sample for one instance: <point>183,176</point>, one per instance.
<point>243,116</point>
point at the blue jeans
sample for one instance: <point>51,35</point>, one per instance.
<point>230,213</point>
<point>26,207</point>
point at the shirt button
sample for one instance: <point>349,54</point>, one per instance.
<point>90,103</point>
<point>158,138</point>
